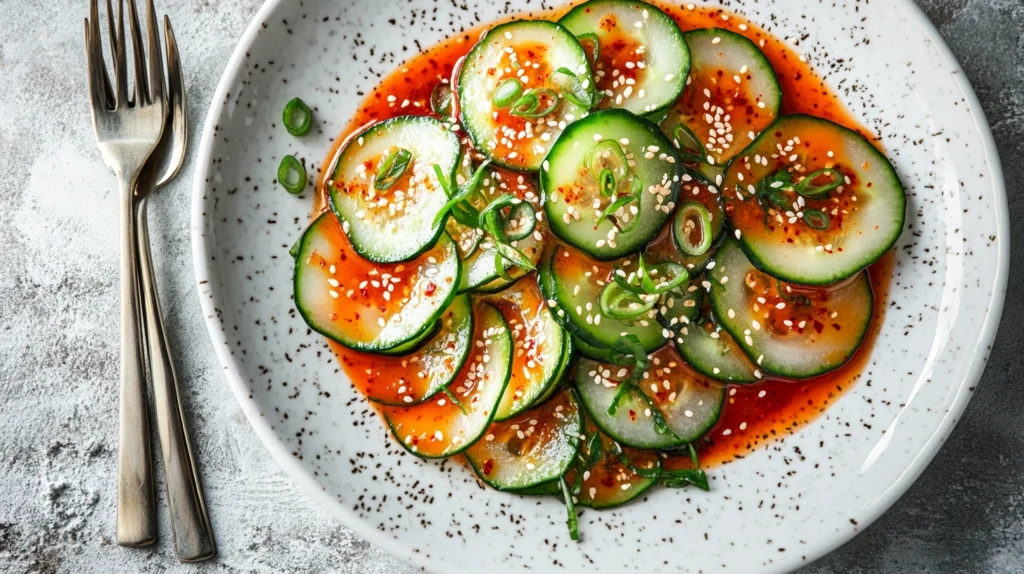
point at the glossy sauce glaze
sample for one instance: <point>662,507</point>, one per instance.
<point>754,415</point>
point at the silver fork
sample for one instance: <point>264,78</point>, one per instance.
<point>127,130</point>
<point>190,523</point>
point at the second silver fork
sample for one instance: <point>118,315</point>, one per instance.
<point>190,523</point>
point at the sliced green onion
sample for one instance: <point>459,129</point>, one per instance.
<point>499,266</point>
<point>570,507</point>
<point>291,175</point>
<point>817,219</point>
<point>297,117</point>
<point>573,89</point>
<point>606,183</point>
<point>808,188</point>
<point>591,46</point>
<point>608,154</point>
<point>677,272</point>
<point>529,105</point>
<point>392,169</point>
<point>693,218</point>
<point>514,256</point>
<point>614,207</point>
<point>691,149</point>
<point>458,196</point>
<point>441,100</point>
<point>507,93</point>
<point>617,302</point>
<point>521,221</point>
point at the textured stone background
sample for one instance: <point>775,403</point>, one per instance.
<point>58,336</point>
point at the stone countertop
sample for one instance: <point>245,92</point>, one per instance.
<point>59,325</point>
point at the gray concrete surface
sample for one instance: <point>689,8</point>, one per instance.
<point>58,333</point>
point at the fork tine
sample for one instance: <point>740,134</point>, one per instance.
<point>97,96</point>
<point>175,85</point>
<point>94,30</point>
<point>138,57</point>
<point>156,60</point>
<point>121,59</point>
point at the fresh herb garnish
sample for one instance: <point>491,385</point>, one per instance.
<point>392,168</point>
<point>535,103</point>
<point>694,218</point>
<point>691,149</point>
<point>455,400</point>
<point>291,175</point>
<point>579,92</point>
<point>816,219</point>
<point>633,296</point>
<point>570,506</point>
<point>507,93</point>
<point>808,188</point>
<point>297,117</point>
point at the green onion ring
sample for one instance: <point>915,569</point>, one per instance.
<point>291,175</point>
<point>297,117</point>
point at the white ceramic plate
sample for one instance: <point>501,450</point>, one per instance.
<point>785,505</point>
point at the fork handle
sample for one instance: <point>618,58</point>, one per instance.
<point>136,507</point>
<point>190,523</point>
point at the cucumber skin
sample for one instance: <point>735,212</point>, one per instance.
<point>337,212</point>
<point>666,145</point>
<point>369,347</point>
<point>782,274</point>
<point>468,443</point>
<point>466,125</point>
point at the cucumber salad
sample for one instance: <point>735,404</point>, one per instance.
<point>559,265</point>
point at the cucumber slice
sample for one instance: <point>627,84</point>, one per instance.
<point>415,344</point>
<point>481,274</point>
<point>575,204</point>
<point>723,113</point>
<point>816,331</point>
<point>397,223</point>
<point>642,59</point>
<point>441,427</point>
<point>713,353</point>
<point>691,404</point>
<point>863,217</point>
<point>529,52</point>
<point>602,354</point>
<point>415,377</point>
<point>539,343</point>
<point>530,449</point>
<point>607,481</point>
<point>370,306</point>
<point>568,354</point>
<point>573,282</point>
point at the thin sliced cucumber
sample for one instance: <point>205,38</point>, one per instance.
<point>608,481</point>
<point>370,306</point>
<point>732,96</point>
<point>602,354</point>
<point>643,58</point>
<point>572,283</point>
<point>443,427</point>
<point>815,331</point>
<point>529,52</point>
<point>530,449</point>
<point>690,403</point>
<point>395,223</point>
<point>575,204</point>
<point>856,223</point>
<point>413,378</point>
<point>564,366</point>
<point>481,273</point>
<point>539,343</point>
<point>416,344</point>
<point>712,352</point>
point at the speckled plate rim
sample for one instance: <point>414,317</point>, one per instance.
<point>816,548</point>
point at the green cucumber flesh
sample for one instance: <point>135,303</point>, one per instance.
<point>690,403</point>
<point>574,204</point>
<point>347,298</point>
<point>608,482</point>
<point>644,59</point>
<point>531,449</point>
<point>712,352</point>
<point>865,214</point>
<point>539,343</point>
<point>441,427</point>
<point>572,283</point>
<point>815,331</point>
<point>414,377</point>
<point>503,53</point>
<point>722,113</point>
<point>397,223</point>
